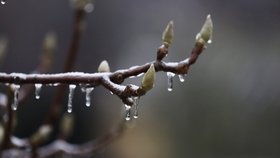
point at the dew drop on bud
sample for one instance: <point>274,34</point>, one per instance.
<point>16,95</point>
<point>38,87</point>
<point>127,112</point>
<point>181,78</point>
<point>170,76</point>
<point>88,92</point>
<point>70,97</point>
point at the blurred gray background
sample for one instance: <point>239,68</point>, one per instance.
<point>229,105</point>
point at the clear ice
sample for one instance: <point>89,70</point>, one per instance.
<point>136,106</point>
<point>88,92</point>
<point>127,112</point>
<point>170,76</point>
<point>181,78</point>
<point>70,97</point>
<point>16,95</point>
<point>38,88</point>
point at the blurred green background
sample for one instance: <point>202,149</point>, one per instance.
<point>228,107</point>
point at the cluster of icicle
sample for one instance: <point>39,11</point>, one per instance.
<point>87,91</point>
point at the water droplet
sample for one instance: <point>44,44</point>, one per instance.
<point>88,91</point>
<point>38,88</point>
<point>127,112</point>
<point>170,76</point>
<point>70,97</point>
<point>16,95</point>
<point>136,105</point>
<point>3,1</point>
<point>181,78</point>
<point>209,41</point>
<point>111,93</point>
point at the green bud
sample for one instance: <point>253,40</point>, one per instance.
<point>168,34</point>
<point>148,79</point>
<point>104,66</point>
<point>205,34</point>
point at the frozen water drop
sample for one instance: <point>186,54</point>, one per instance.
<point>16,95</point>
<point>70,97</point>
<point>3,1</point>
<point>127,112</point>
<point>136,104</point>
<point>181,78</point>
<point>38,88</point>
<point>170,76</point>
<point>88,91</point>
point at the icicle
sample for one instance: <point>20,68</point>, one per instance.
<point>38,88</point>
<point>127,112</point>
<point>88,91</point>
<point>3,1</point>
<point>136,103</point>
<point>70,97</point>
<point>181,78</point>
<point>16,95</point>
<point>170,76</point>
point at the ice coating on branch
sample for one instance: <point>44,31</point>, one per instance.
<point>70,97</point>
<point>170,76</point>
<point>16,88</point>
<point>38,88</point>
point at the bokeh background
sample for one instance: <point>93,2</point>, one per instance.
<point>229,105</point>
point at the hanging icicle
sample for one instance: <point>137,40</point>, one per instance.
<point>38,88</point>
<point>70,97</point>
<point>170,76</point>
<point>136,106</point>
<point>16,96</point>
<point>88,92</point>
<point>127,112</point>
<point>181,78</point>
